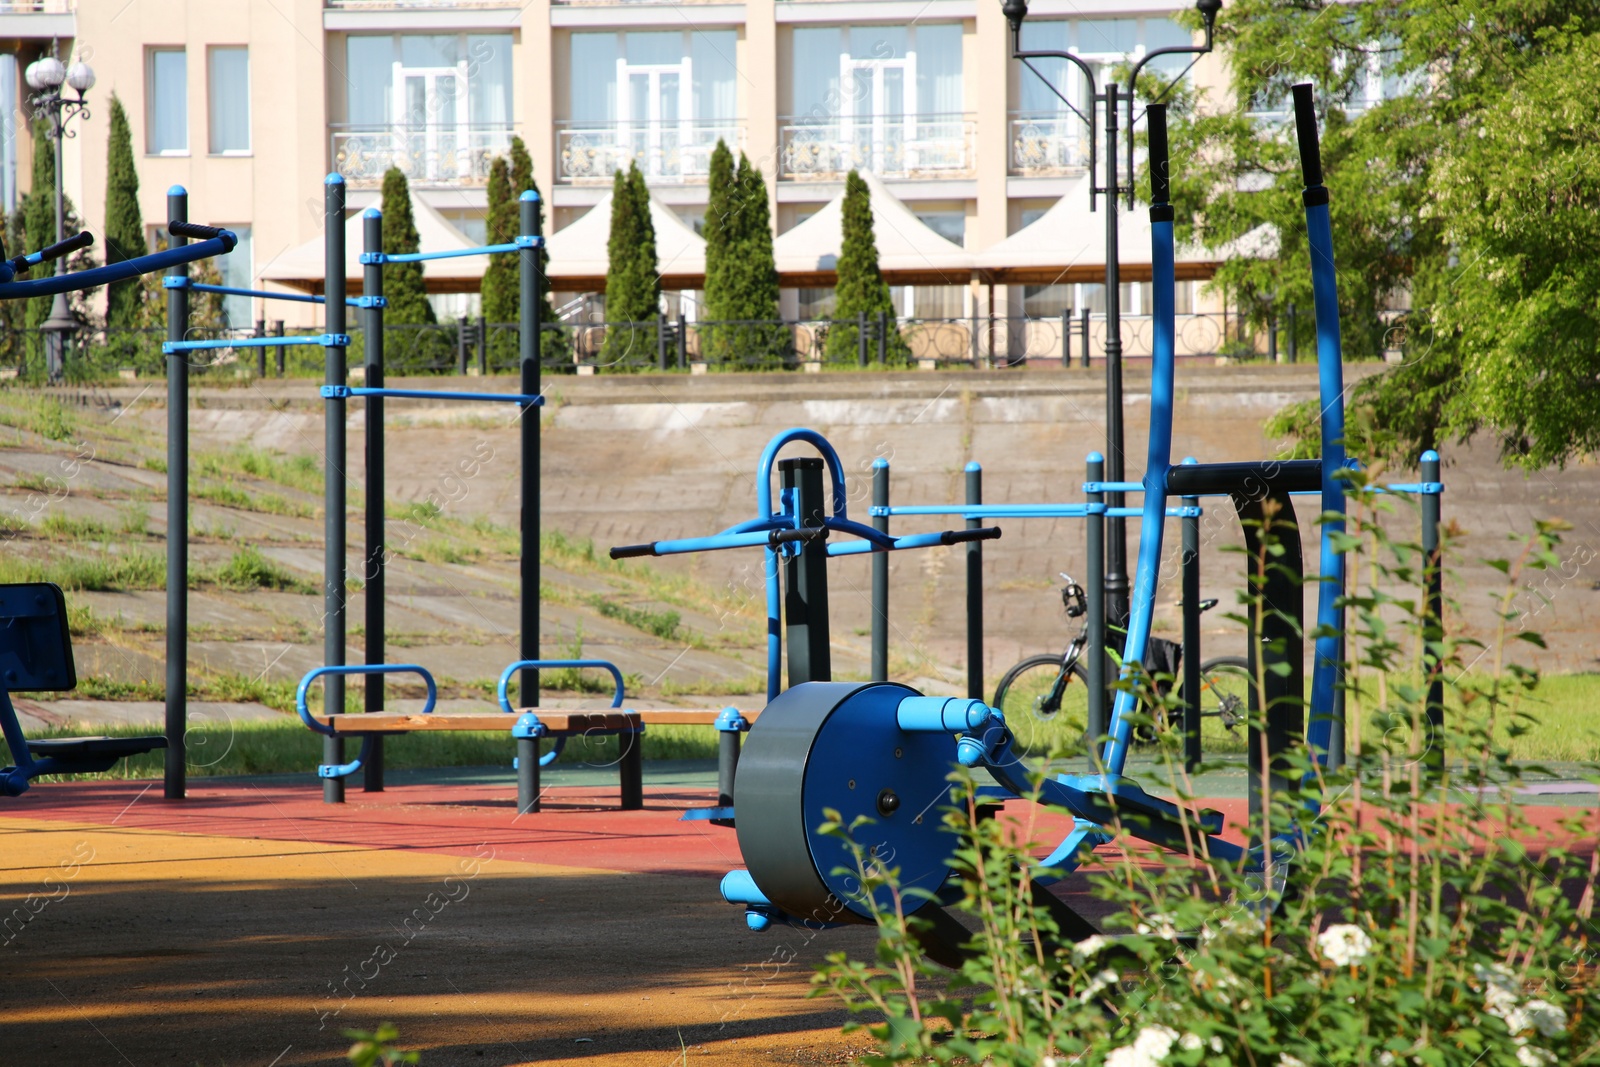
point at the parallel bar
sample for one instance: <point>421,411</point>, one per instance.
<point>181,282</point>
<point>880,572</point>
<point>455,253</point>
<point>344,391</point>
<point>326,340</point>
<point>372,322</point>
<point>994,511</point>
<point>974,588</point>
<point>175,767</point>
<point>333,593</point>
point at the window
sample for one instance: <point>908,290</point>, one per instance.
<point>653,76</point>
<point>229,101</point>
<point>237,272</point>
<point>951,225</point>
<point>420,80</point>
<point>876,70</point>
<point>167,102</point>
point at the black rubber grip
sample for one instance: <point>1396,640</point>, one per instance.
<point>1160,173</point>
<point>630,551</point>
<point>193,229</point>
<point>982,533</point>
<point>1305,128</point>
<point>805,533</point>
<point>82,239</point>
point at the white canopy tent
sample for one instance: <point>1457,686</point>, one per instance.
<point>304,267</point>
<point>578,258</point>
<point>909,251</point>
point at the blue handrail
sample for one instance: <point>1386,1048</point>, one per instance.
<point>343,770</point>
<point>523,241</point>
<point>340,392</point>
<point>322,339</point>
<point>183,281</point>
<point>220,245</point>
<point>561,741</point>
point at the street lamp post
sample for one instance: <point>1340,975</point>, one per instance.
<point>46,76</point>
<point>1116,578</point>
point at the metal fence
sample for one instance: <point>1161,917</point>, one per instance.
<point>473,346</point>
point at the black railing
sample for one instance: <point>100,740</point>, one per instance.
<point>473,346</point>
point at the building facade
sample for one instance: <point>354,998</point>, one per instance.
<point>249,103</point>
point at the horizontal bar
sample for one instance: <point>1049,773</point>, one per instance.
<point>1422,488</point>
<point>181,281</point>
<point>372,258</point>
<point>121,271</point>
<point>342,392</point>
<point>718,542</point>
<point>1113,487</point>
<point>341,340</point>
<point>1172,513</point>
<point>993,511</point>
<point>927,540</point>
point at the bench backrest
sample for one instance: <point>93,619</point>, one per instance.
<point>35,644</point>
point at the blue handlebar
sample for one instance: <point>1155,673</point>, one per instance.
<point>371,668</point>
<point>116,272</point>
<point>538,664</point>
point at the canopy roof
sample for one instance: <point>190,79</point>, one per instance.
<point>578,256</point>
<point>909,252</point>
<point>1068,244</point>
<point>304,267</point>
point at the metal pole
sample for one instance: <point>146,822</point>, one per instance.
<point>1191,635</point>
<point>805,597</point>
<point>974,589</point>
<point>661,340</point>
<point>1433,627</point>
<point>1116,528</point>
<point>177,520</point>
<point>1083,322</point>
<point>483,347</point>
<point>880,575</point>
<point>529,342</point>
<point>372,323</point>
<point>461,346</point>
<point>683,341</point>
<point>1066,338</point>
<point>1292,343</point>
<point>261,353</point>
<point>1095,649</point>
<point>55,341</point>
<point>333,593</point>
<point>883,338</point>
<point>1272,337</point>
<point>279,350</point>
<point>861,338</point>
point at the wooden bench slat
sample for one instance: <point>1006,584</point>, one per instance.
<point>391,722</point>
<point>669,716</point>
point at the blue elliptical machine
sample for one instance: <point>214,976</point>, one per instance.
<point>883,750</point>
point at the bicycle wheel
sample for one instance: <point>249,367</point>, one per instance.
<point>1043,705</point>
<point>1224,696</point>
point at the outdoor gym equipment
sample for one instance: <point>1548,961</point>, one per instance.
<point>36,654</point>
<point>883,751</point>
<point>794,536</point>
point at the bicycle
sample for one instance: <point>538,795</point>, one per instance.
<point>1037,689</point>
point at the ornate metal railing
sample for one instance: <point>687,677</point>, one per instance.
<point>888,146</point>
<point>432,154</point>
<point>1048,145</point>
<point>665,151</point>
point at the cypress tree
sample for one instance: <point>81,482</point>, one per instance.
<point>124,226</point>
<point>752,272</point>
<point>500,288</point>
<point>859,286</point>
<point>633,279</point>
<point>521,181</point>
<point>402,282</point>
<point>720,231</point>
<point>39,222</point>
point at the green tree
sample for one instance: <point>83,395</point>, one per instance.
<point>124,226</point>
<point>721,228</point>
<point>38,210</point>
<point>1463,193</point>
<point>403,285</point>
<point>633,279</point>
<point>500,287</point>
<point>859,286</point>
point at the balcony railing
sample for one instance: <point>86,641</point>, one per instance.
<point>888,146</point>
<point>666,152</point>
<point>1049,145</point>
<point>434,154</point>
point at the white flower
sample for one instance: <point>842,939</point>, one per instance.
<point>1190,1042</point>
<point>1101,982</point>
<point>1546,1018</point>
<point>1149,1047</point>
<point>1344,945</point>
<point>1089,948</point>
<point>1496,977</point>
<point>1216,1044</point>
<point>1287,1060</point>
<point>1531,1056</point>
<point>1160,925</point>
<point>1385,1058</point>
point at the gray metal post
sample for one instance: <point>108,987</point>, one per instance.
<point>1066,338</point>
<point>974,588</point>
<point>177,519</point>
<point>1083,323</point>
<point>972,336</point>
<point>372,325</point>
<point>1191,635</point>
<point>529,341</point>
<point>261,353</point>
<point>661,340</point>
<point>279,350</point>
<point>461,346</point>
<point>1094,588</point>
<point>483,347</point>
<point>880,575</point>
<point>1292,343</point>
<point>1272,337</point>
<point>333,593</point>
<point>1433,625</point>
<point>805,595</point>
<point>861,338</point>
<point>883,338</point>
<point>683,341</point>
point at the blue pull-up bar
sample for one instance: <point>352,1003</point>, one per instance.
<point>370,258</point>
<point>323,339</point>
<point>180,281</point>
<point>219,245</point>
<point>344,392</point>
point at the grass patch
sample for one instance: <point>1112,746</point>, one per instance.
<point>108,572</point>
<point>248,570</point>
<point>229,496</point>
<point>155,463</point>
<point>662,624</point>
<point>44,415</point>
<point>295,472</point>
<point>59,527</point>
<point>440,550</point>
